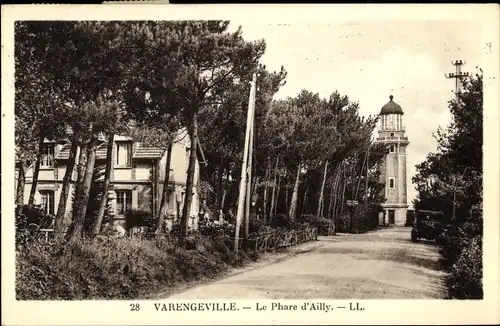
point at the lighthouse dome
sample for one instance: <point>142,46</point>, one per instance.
<point>391,107</point>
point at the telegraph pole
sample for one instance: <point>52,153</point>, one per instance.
<point>243,180</point>
<point>248,195</point>
<point>457,75</point>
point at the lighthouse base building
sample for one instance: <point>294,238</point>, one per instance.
<point>392,134</point>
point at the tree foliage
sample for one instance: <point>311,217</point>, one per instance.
<point>154,80</point>
<point>450,180</point>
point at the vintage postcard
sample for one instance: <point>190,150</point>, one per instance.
<point>279,164</point>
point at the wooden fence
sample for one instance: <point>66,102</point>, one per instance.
<point>274,240</point>
<point>266,242</point>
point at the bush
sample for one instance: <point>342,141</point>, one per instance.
<point>138,218</point>
<point>465,279</point>
<point>117,268</point>
<point>364,218</point>
<point>322,224</point>
<point>215,228</point>
<point>176,229</point>
<point>313,221</point>
<point>256,226</point>
<point>282,221</point>
<point>461,256</point>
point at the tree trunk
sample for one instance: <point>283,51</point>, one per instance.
<point>278,191</point>
<point>96,227</point>
<point>186,210</point>
<point>306,192</point>
<point>76,228</point>
<point>273,194</point>
<point>330,200</point>
<point>335,192</point>
<point>337,183</point>
<point>265,194</point>
<point>218,185</point>
<point>343,195</point>
<point>319,211</point>
<point>36,171</point>
<point>224,194</point>
<point>367,168</point>
<point>286,197</point>
<point>21,182</point>
<point>353,176</point>
<point>165,193</point>
<point>82,158</point>
<point>293,202</point>
<point>63,198</point>
<point>361,175</point>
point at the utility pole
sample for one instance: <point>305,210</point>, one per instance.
<point>243,179</point>
<point>248,199</point>
<point>366,181</point>
<point>457,75</point>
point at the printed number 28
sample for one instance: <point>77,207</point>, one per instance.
<point>135,307</point>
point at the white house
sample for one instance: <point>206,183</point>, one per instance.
<point>136,180</point>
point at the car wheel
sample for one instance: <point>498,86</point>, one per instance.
<point>414,236</point>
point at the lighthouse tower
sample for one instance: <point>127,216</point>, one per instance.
<point>392,134</point>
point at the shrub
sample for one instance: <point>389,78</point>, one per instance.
<point>212,228</point>
<point>321,223</point>
<point>138,218</point>
<point>312,220</point>
<point>364,218</point>
<point>282,221</point>
<point>176,229</point>
<point>117,268</point>
<point>465,279</point>
<point>256,226</point>
<point>461,256</point>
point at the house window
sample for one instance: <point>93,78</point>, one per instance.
<point>392,134</point>
<point>47,156</point>
<point>47,201</point>
<point>124,154</point>
<point>392,149</point>
<point>391,183</point>
<point>123,201</point>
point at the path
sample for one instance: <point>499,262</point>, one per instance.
<point>382,264</point>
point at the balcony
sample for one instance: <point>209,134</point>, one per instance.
<point>393,139</point>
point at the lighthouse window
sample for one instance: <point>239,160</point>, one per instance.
<point>391,183</point>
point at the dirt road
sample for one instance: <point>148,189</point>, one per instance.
<point>383,264</point>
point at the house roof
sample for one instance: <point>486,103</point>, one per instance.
<point>141,152</point>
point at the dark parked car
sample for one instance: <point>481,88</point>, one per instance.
<point>429,225</point>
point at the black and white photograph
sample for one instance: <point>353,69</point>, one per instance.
<point>192,160</point>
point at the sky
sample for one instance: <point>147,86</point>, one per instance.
<point>370,60</point>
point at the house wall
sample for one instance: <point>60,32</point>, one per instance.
<point>137,178</point>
